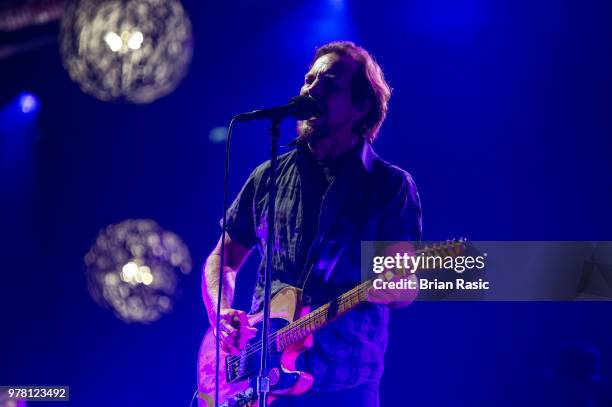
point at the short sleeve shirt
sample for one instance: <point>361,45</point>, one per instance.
<point>362,198</point>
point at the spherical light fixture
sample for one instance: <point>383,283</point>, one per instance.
<point>132,269</point>
<point>126,50</point>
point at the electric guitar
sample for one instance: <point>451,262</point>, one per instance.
<point>291,325</point>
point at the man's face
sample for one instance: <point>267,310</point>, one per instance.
<point>329,83</point>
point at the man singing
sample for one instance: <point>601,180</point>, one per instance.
<point>333,193</point>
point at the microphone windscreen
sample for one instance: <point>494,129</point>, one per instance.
<point>305,107</point>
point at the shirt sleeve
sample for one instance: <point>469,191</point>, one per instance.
<point>403,218</point>
<point>240,214</point>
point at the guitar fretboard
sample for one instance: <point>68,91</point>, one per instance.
<point>240,366</point>
<point>299,329</point>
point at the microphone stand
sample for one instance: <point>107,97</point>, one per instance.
<point>299,107</point>
<point>263,383</point>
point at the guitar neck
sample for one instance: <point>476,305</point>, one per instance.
<point>317,319</point>
<point>308,324</point>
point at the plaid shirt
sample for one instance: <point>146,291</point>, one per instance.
<point>367,199</point>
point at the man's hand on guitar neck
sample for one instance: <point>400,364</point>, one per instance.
<point>235,329</point>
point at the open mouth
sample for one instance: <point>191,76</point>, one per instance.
<point>321,116</point>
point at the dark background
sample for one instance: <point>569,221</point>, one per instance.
<point>500,111</point>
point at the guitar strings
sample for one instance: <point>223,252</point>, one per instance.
<point>306,320</point>
<point>300,323</point>
<point>253,349</point>
<point>235,361</point>
<point>256,347</point>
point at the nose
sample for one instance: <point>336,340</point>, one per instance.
<point>315,94</point>
<point>315,90</point>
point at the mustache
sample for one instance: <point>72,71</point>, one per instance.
<point>307,130</point>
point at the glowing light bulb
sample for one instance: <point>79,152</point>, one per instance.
<point>28,102</point>
<point>145,275</point>
<point>129,271</point>
<point>113,41</point>
<point>135,40</point>
<point>147,279</point>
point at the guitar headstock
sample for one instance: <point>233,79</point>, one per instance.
<point>405,260</point>
<point>452,248</point>
<point>421,257</point>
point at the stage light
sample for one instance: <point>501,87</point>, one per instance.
<point>217,135</point>
<point>135,40</point>
<point>126,50</point>
<point>333,22</point>
<point>28,103</point>
<point>132,269</point>
<point>134,274</point>
<point>147,278</point>
<point>338,4</point>
<point>113,41</point>
<point>129,271</point>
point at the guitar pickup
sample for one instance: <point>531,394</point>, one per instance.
<point>236,369</point>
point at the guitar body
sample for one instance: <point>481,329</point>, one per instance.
<point>291,329</point>
<point>238,375</point>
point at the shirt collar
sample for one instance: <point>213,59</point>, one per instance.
<point>364,152</point>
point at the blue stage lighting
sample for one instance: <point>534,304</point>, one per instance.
<point>338,5</point>
<point>28,102</point>
<point>217,135</point>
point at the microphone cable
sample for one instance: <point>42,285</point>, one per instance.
<point>195,393</point>
<point>222,260</point>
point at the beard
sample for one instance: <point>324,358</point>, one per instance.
<point>312,131</point>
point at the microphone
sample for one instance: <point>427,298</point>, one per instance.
<point>299,107</point>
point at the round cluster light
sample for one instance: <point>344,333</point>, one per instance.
<point>127,50</point>
<point>132,269</point>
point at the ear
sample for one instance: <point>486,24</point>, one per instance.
<point>361,109</point>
